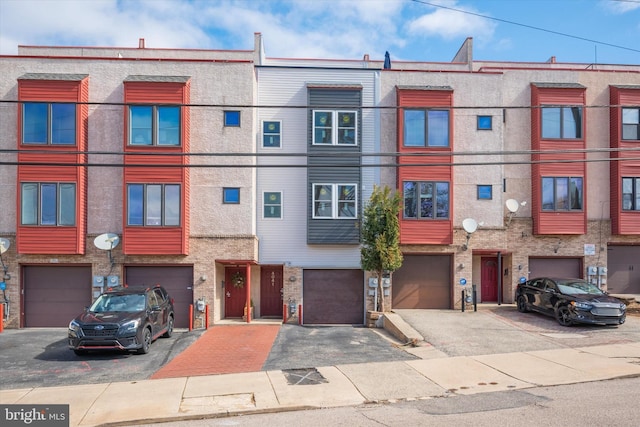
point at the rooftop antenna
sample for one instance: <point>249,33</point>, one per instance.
<point>512,207</point>
<point>470,225</point>
<point>106,242</point>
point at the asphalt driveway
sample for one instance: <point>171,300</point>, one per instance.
<point>299,347</point>
<point>502,329</point>
<point>40,357</point>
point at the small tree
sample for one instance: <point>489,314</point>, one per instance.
<point>380,245</point>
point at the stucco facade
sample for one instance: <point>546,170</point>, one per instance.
<point>284,258</point>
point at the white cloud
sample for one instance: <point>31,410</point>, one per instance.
<point>450,24</point>
<point>620,7</point>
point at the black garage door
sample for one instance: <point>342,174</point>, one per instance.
<point>333,297</point>
<point>555,267</point>
<point>423,281</point>
<point>623,268</point>
<point>177,280</point>
<point>54,295</point>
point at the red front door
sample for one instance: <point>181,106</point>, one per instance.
<point>271,291</point>
<point>234,291</point>
<point>489,279</point>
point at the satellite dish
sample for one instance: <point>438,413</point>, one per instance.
<point>106,241</point>
<point>470,225</point>
<point>4,245</point>
<point>512,205</point>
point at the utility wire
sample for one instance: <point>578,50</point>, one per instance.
<point>321,107</point>
<point>315,165</point>
<point>526,26</point>
<point>327,153</point>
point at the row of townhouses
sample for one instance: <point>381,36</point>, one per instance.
<point>238,180</point>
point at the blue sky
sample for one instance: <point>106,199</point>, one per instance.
<point>587,31</point>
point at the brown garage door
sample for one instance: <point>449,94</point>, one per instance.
<point>54,295</point>
<point>623,268</point>
<point>177,280</point>
<point>423,281</point>
<point>555,267</point>
<point>333,297</point>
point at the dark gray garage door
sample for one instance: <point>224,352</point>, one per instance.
<point>623,268</point>
<point>54,295</point>
<point>423,281</point>
<point>333,297</point>
<point>177,280</point>
<point>555,267</point>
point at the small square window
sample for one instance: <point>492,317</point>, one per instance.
<point>485,192</point>
<point>231,195</point>
<point>232,118</point>
<point>485,123</point>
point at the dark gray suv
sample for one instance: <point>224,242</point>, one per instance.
<point>123,319</point>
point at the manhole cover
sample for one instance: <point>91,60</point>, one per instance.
<point>306,376</point>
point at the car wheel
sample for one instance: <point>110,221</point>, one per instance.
<point>169,328</point>
<point>146,341</point>
<point>563,316</point>
<point>80,352</point>
<point>522,304</point>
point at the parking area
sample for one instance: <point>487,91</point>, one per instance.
<point>502,329</point>
<point>40,357</point>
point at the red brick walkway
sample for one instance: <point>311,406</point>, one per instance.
<point>223,349</point>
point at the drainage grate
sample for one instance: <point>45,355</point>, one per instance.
<point>306,376</point>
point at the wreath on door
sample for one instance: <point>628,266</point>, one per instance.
<point>237,280</point>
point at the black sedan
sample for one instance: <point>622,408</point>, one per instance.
<point>570,301</point>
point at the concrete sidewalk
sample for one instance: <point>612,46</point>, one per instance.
<point>127,403</point>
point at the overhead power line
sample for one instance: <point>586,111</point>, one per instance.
<point>532,27</point>
<point>320,107</point>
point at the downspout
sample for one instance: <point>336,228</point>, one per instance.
<point>247,304</point>
<point>499,278</point>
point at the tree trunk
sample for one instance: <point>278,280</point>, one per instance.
<point>381,306</point>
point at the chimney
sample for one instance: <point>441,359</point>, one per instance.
<point>140,43</point>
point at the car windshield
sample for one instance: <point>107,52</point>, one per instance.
<point>574,287</point>
<point>114,302</point>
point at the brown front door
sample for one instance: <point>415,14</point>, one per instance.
<point>271,291</point>
<point>235,295</point>
<point>489,279</point>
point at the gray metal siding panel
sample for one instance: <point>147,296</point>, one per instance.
<point>334,167</point>
<point>285,239</point>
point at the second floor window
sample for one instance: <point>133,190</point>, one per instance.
<point>154,125</point>
<point>335,127</point>
<point>272,202</point>
<point>562,194</point>
<point>426,128</point>
<point>271,133</point>
<point>631,194</point>
<point>631,124</point>
<point>562,122</point>
<point>153,204</point>
<point>48,203</point>
<point>333,201</point>
<point>48,123</point>
<point>426,199</point>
